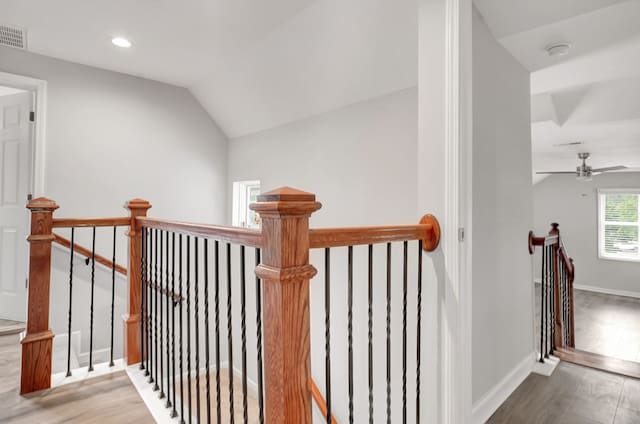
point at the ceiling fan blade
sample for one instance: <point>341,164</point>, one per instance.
<point>610,168</point>
<point>557,172</point>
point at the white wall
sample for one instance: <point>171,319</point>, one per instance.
<point>573,204</point>
<point>502,212</point>
<point>111,137</point>
<point>359,160</point>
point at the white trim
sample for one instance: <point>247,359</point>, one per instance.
<point>81,374</point>
<point>547,367</point>
<point>612,292</point>
<point>491,401</point>
<point>600,221</point>
<point>39,141</point>
<point>457,323</point>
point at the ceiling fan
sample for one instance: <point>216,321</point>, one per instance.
<point>584,172</point>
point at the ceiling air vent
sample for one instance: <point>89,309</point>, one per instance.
<point>13,37</point>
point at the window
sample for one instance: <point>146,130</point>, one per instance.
<point>244,194</point>
<point>619,224</point>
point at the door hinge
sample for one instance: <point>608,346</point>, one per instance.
<point>461,234</point>
<point>32,116</point>
<point>26,283</point>
<point>29,196</point>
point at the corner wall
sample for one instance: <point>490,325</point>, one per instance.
<point>502,217</point>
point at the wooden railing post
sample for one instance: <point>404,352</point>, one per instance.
<point>38,342</point>
<point>556,287</point>
<point>285,272</point>
<point>132,336</point>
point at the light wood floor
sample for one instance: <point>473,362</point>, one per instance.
<point>572,395</point>
<point>108,399</point>
<point>10,327</point>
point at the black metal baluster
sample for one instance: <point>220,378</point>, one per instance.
<point>229,334</point>
<point>113,291</point>
<point>388,333</point>
<point>188,281</point>
<point>419,332</point>
<point>155,313</point>
<point>159,312</point>
<point>70,304</point>
<point>93,284</point>
<point>243,325</point>
<point>327,330</point>
<point>370,333</point>
<point>404,330</point>
<point>168,301</point>
<point>206,327</point>
<point>259,341</point>
<point>543,323</point>
<point>552,303</point>
<point>150,307</point>
<point>197,325</point>
<point>350,327</point>
<point>143,288</point>
<point>174,413</point>
<point>180,278</point>
<point>217,328</point>
<point>549,317</point>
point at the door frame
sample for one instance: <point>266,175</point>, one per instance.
<point>38,140</point>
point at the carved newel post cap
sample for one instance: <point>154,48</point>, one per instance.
<point>286,200</point>
<point>554,226</point>
<point>42,204</point>
<point>137,204</point>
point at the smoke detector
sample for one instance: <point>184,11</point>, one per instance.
<point>12,36</point>
<point>558,49</point>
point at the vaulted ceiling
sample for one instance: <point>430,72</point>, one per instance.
<point>590,96</point>
<point>253,64</point>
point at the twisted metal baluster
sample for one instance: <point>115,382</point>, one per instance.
<point>350,328</point>
<point>188,282</point>
<point>70,304</point>
<point>419,332</point>
<point>143,288</point>
<point>243,326</point>
<point>174,413</point>
<point>206,327</point>
<point>327,330</point>
<point>388,333</point>
<point>404,329</point>
<point>229,334</point>
<point>180,278</point>
<point>160,295</point>
<point>197,329</point>
<point>155,313</point>
<point>168,301</point>
<point>113,292</point>
<point>370,333</point>
<point>217,328</point>
<point>93,284</point>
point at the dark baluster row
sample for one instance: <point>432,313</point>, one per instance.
<point>162,267</point>
<point>91,261</point>
<point>370,339</point>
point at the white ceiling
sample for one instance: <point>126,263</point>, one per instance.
<point>590,96</point>
<point>253,64</point>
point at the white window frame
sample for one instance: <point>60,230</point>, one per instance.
<point>601,224</point>
<point>240,204</point>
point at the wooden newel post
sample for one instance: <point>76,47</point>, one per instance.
<point>556,287</point>
<point>38,342</point>
<point>132,335</point>
<point>285,272</point>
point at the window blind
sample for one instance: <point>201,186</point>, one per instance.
<point>619,225</point>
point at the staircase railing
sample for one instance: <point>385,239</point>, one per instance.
<point>187,286</point>
<point>556,292</point>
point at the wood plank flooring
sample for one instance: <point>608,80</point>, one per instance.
<point>11,327</point>
<point>108,399</point>
<point>573,394</point>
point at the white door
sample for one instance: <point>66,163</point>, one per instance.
<point>15,172</point>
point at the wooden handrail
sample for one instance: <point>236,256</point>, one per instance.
<point>428,231</point>
<point>91,222</point>
<point>83,251</point>
<point>319,400</point>
<point>245,236</point>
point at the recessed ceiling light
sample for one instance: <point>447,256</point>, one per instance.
<point>121,42</point>
<point>558,49</point>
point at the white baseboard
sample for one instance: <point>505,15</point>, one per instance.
<point>613,292</point>
<point>491,401</point>
<point>81,374</point>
